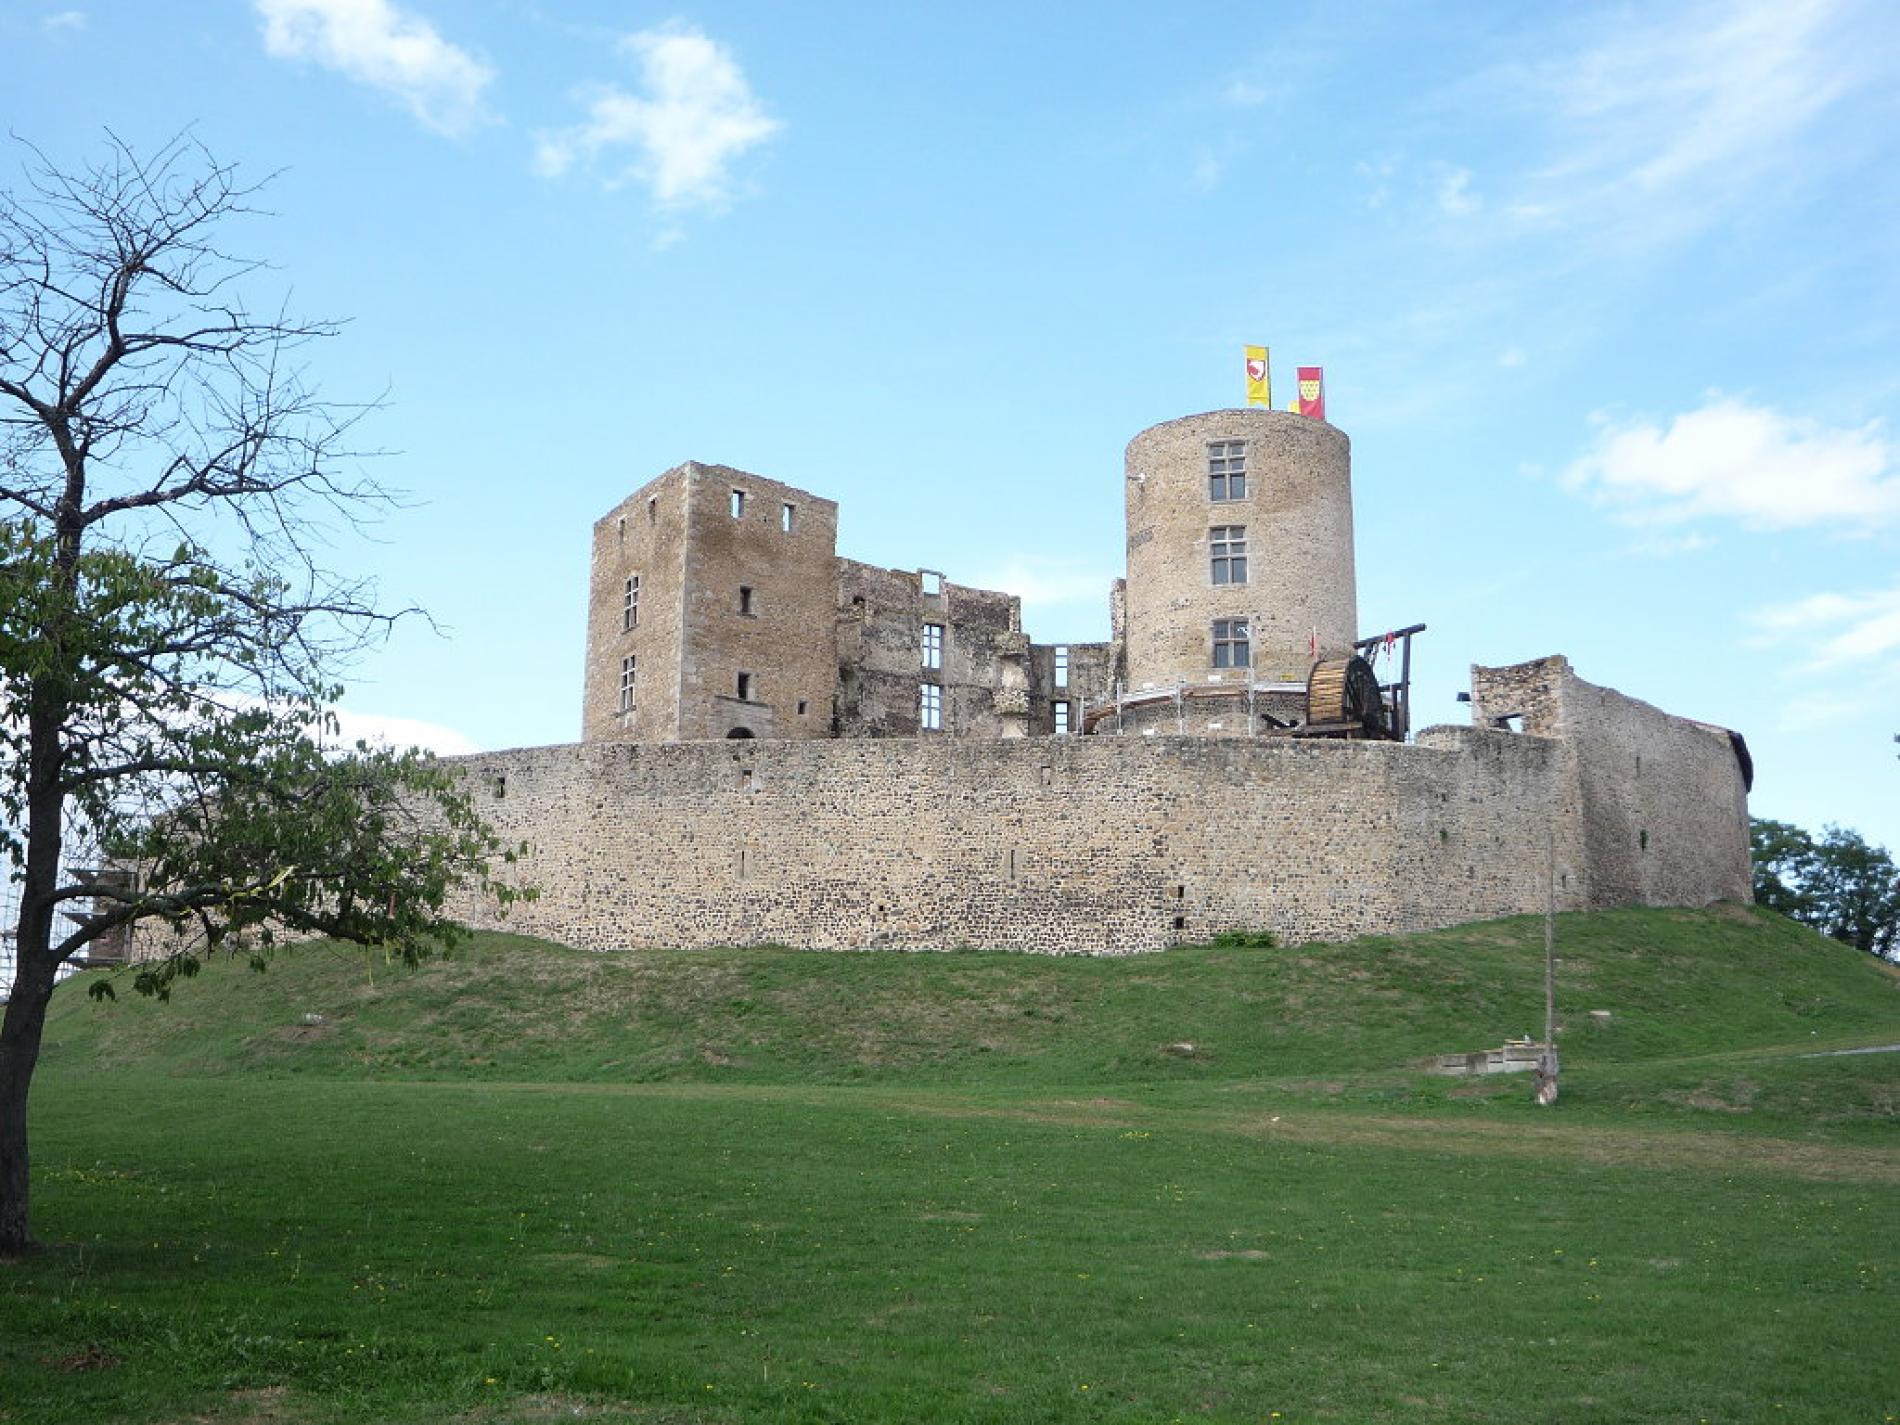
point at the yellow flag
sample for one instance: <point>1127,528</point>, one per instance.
<point>1259,378</point>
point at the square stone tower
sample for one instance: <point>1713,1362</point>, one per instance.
<point>711,611</point>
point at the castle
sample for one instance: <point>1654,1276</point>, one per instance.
<point>782,745</point>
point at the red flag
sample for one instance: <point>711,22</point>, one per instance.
<point>1313,392</point>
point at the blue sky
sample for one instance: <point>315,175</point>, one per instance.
<point>1606,296</point>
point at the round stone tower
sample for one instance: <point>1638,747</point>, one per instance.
<point>1239,549</point>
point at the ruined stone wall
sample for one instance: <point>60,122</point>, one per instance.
<point>1091,670</point>
<point>1063,845</point>
<point>881,618</point>
<point>1297,513</point>
<point>1655,806</point>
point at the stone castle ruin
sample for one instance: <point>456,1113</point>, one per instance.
<point>781,745</point>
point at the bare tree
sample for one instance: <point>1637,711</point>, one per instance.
<point>169,634</point>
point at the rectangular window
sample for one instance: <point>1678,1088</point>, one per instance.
<point>738,504</point>
<point>745,598</point>
<point>623,529</point>
<point>930,583</point>
<point>787,517</point>
<point>628,668</point>
<point>930,707</point>
<point>1062,665</point>
<point>745,687</point>
<point>933,645</point>
<point>1062,718</point>
<point>1231,648</point>
<point>653,510</point>
<point>1227,549</point>
<point>630,611</point>
<point>1227,470</point>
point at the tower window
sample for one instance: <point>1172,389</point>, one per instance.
<point>930,707</point>
<point>745,598</point>
<point>933,645</point>
<point>744,687</point>
<point>623,529</point>
<point>1227,549</point>
<point>1227,470</point>
<point>1061,660</point>
<point>738,504</point>
<point>787,517</point>
<point>653,510</point>
<point>929,583</point>
<point>629,667</point>
<point>630,610</point>
<point>1231,646</point>
<point>1061,709</point>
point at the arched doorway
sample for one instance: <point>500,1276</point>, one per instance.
<point>738,732</point>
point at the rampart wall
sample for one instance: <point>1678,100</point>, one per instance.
<point>1107,845</point>
<point>1064,845</point>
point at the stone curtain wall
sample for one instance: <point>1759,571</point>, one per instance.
<point>1656,810</point>
<point>1060,845</point>
<point>1661,810</point>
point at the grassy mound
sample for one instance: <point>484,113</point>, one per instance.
<point>1677,984</point>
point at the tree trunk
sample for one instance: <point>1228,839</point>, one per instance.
<point>19,1050</point>
<point>35,965</point>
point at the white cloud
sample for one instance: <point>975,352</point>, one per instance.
<point>1663,124</point>
<point>1751,463</point>
<point>1243,95</point>
<point>1455,198</point>
<point>374,43</point>
<point>1056,591</point>
<point>696,115</point>
<point>383,730</point>
<point>64,21</point>
<point>1835,631</point>
<point>1512,357</point>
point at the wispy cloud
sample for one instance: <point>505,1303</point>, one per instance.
<point>384,730</point>
<point>1732,460</point>
<point>64,21</point>
<point>1056,591</point>
<point>679,137</point>
<point>1834,631</point>
<point>374,43</point>
<point>1664,124</point>
<point>1455,198</point>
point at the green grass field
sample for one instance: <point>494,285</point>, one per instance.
<point>528,1184</point>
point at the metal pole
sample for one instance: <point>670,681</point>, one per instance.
<point>1547,1059</point>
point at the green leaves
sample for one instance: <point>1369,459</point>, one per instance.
<point>1840,884</point>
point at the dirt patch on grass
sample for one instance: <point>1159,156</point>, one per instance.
<point>1819,1162</point>
<point>1243,1254</point>
<point>90,1358</point>
<point>270,1405</point>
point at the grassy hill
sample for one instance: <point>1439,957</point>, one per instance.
<point>522,1183</point>
<point>1720,988</point>
<point>1676,983</point>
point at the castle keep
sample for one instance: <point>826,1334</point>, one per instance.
<point>783,745</point>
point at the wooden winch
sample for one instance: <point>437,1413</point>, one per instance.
<point>1343,699</point>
